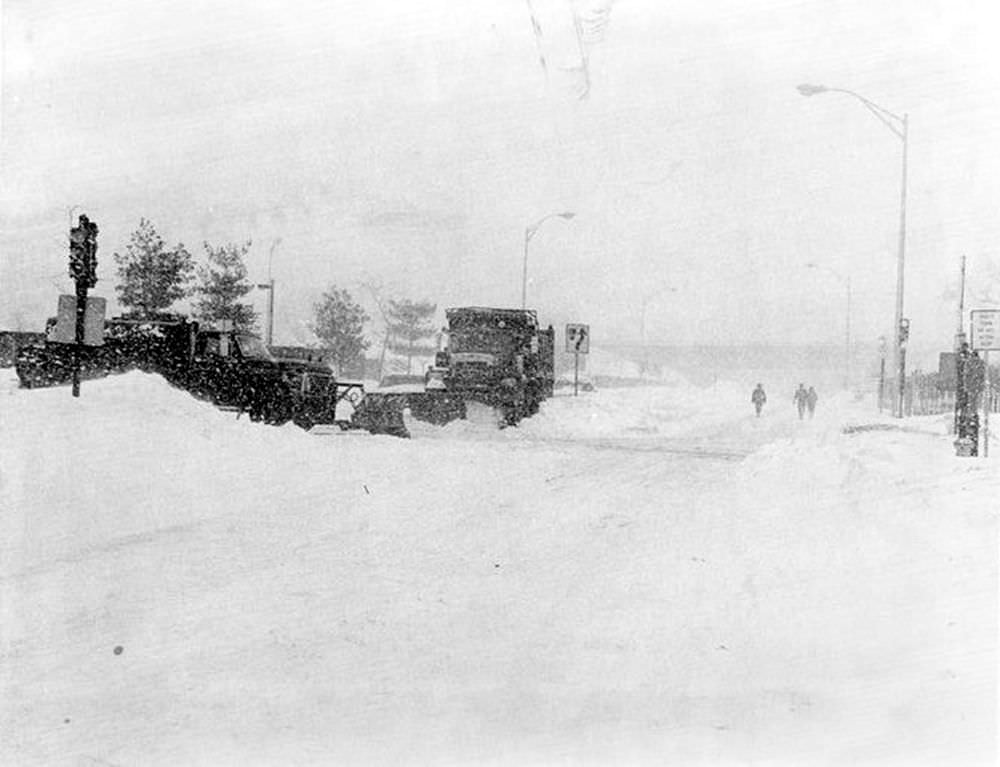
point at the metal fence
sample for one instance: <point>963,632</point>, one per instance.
<point>925,396</point>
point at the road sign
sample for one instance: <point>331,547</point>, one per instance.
<point>985,329</point>
<point>64,331</point>
<point>578,338</point>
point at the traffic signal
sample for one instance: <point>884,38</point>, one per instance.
<point>91,260</point>
<point>78,250</point>
<point>83,252</point>
<point>904,331</point>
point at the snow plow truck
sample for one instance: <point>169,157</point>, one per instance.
<point>500,358</point>
<point>231,369</point>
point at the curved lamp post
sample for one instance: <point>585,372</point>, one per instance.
<point>644,301</point>
<point>899,125</point>
<point>847,320</point>
<point>528,234</point>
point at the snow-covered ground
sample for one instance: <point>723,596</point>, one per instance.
<point>635,576</point>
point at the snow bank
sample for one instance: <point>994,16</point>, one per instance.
<point>179,586</point>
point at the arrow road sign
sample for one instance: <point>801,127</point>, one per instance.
<point>578,338</point>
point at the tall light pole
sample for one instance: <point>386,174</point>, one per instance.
<point>528,234</point>
<point>644,301</point>
<point>69,213</point>
<point>269,287</point>
<point>847,319</point>
<point>899,125</point>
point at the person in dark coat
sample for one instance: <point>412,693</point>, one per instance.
<point>811,398</point>
<point>758,398</point>
<point>800,399</point>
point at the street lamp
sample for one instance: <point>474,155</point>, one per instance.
<point>847,321</point>
<point>69,213</point>
<point>642,323</point>
<point>900,128</point>
<point>528,234</point>
<point>269,287</point>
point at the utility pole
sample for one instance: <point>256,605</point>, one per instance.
<point>881,372</point>
<point>270,312</point>
<point>960,333</point>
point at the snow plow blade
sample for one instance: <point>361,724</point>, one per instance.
<point>436,407</point>
<point>381,414</point>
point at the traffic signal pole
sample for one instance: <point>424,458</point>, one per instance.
<point>81,313</point>
<point>83,270</point>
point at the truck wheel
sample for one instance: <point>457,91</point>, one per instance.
<point>511,414</point>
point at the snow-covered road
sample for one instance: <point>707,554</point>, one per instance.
<point>641,576</point>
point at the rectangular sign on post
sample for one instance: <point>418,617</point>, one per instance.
<point>577,343</point>
<point>985,329</point>
<point>577,338</point>
<point>64,331</point>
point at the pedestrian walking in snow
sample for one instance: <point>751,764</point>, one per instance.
<point>811,398</point>
<point>800,399</point>
<point>758,398</point>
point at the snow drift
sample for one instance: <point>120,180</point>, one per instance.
<point>643,576</point>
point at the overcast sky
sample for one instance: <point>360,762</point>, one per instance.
<point>411,143</point>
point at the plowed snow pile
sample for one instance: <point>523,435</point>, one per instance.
<point>634,576</point>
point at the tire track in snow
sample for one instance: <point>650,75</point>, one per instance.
<point>644,446</point>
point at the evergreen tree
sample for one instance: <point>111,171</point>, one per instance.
<point>151,276</point>
<point>222,283</point>
<point>410,323</point>
<point>339,325</point>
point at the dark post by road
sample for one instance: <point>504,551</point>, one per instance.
<point>904,336</point>
<point>881,373</point>
<point>83,270</point>
<point>902,325</point>
<point>987,403</point>
<point>576,371</point>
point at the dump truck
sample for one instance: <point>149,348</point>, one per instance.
<point>499,357</point>
<point>233,370</point>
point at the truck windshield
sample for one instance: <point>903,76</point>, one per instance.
<point>252,347</point>
<point>483,339</point>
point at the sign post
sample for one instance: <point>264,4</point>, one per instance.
<point>986,338</point>
<point>987,404</point>
<point>577,342</point>
<point>64,331</point>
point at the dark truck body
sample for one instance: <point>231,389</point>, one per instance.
<point>499,357</point>
<point>11,342</point>
<point>230,369</point>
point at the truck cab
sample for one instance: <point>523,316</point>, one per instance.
<point>500,357</point>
